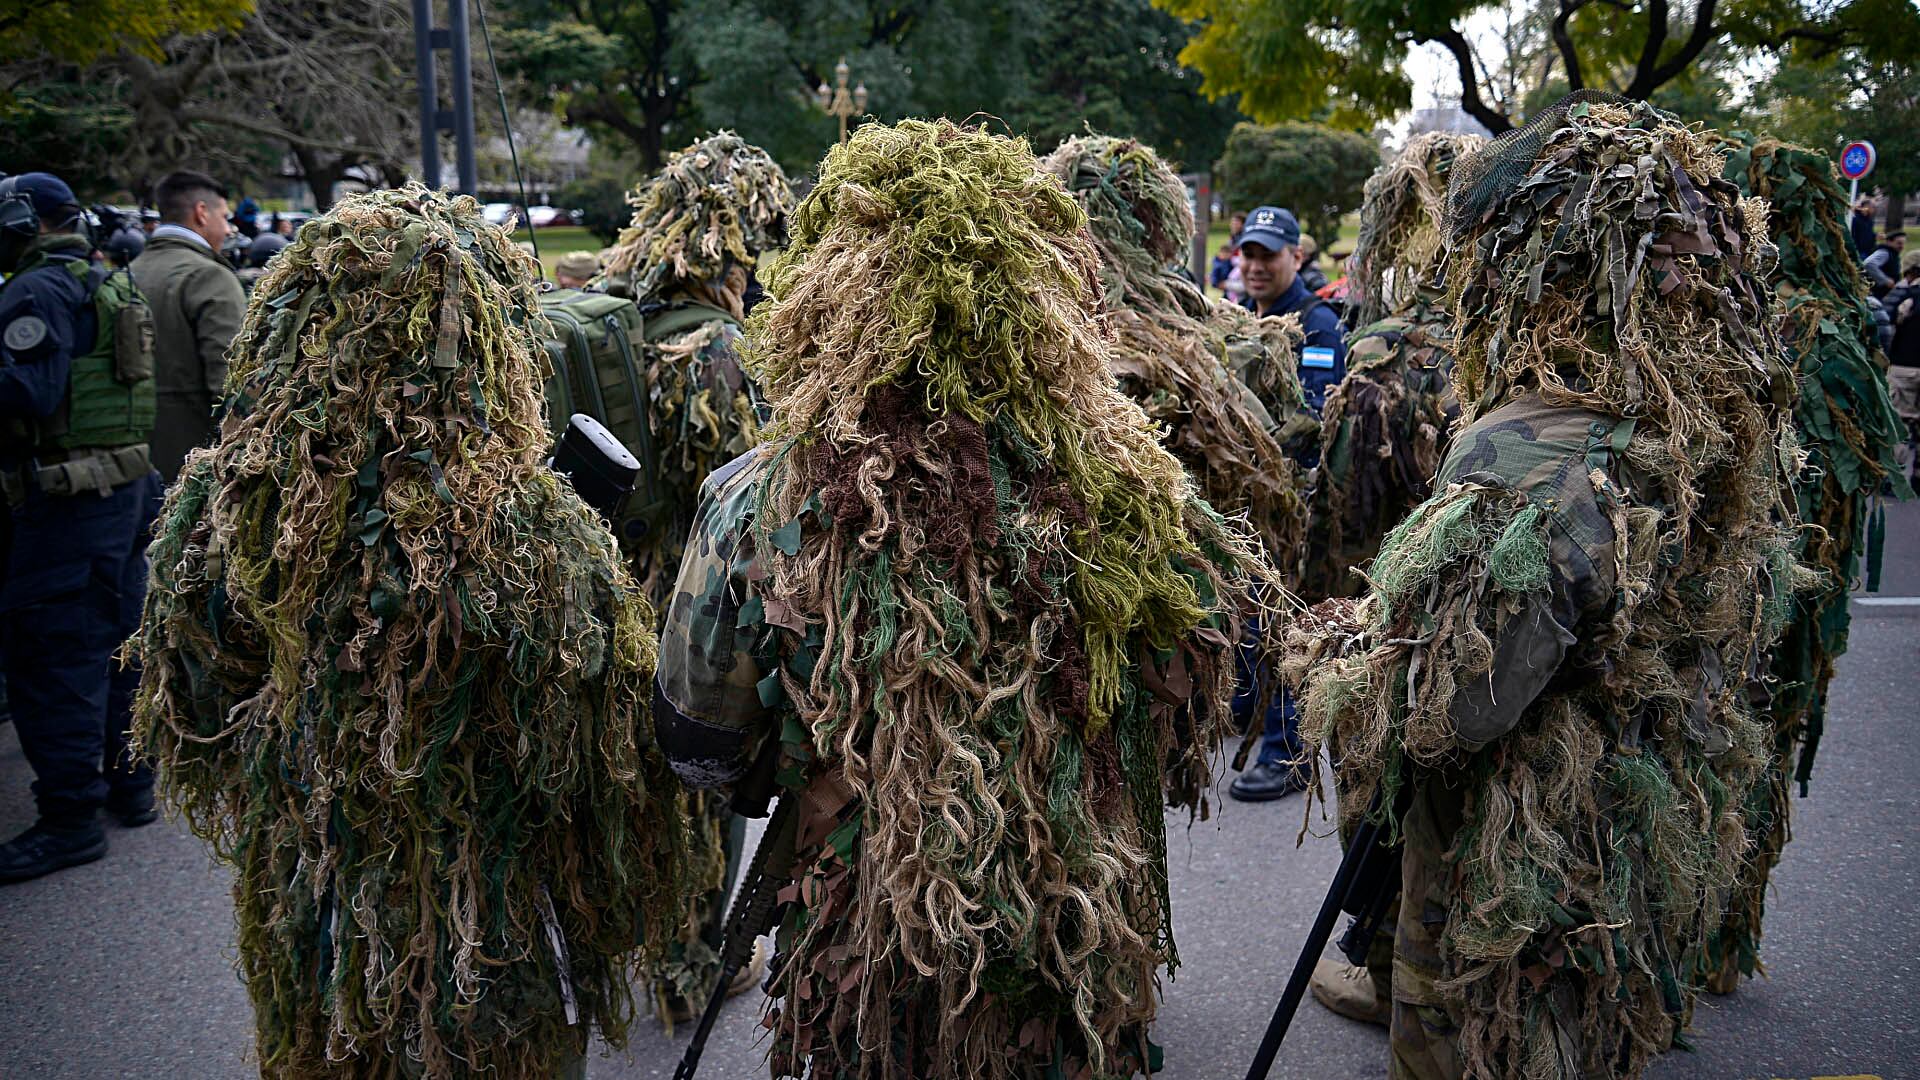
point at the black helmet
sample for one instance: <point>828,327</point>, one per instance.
<point>125,245</point>
<point>264,247</point>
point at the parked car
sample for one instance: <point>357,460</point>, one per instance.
<point>543,217</point>
<point>498,213</point>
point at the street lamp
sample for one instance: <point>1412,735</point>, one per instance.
<point>838,101</point>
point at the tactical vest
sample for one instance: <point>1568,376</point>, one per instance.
<point>110,400</point>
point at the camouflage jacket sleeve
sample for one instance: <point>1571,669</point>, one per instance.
<point>1497,585</point>
<point>1552,567</point>
<point>707,701</point>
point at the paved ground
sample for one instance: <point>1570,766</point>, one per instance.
<point>123,968</point>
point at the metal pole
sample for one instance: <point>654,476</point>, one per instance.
<point>462,97</point>
<point>1853,195</point>
<point>429,93</point>
<point>1202,223</point>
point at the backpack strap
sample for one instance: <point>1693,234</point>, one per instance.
<point>660,323</point>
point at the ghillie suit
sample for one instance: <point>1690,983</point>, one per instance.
<point>1552,662</point>
<point>1849,430</point>
<point>394,667</point>
<point>985,613</point>
<point>1176,355</point>
<point>1384,427</point>
<point>698,227</point>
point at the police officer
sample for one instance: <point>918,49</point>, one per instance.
<point>1270,259</point>
<point>76,409</point>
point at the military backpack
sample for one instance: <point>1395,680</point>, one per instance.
<point>598,345</point>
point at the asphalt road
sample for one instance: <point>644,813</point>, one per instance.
<point>124,967</point>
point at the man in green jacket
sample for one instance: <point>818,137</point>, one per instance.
<point>197,303</point>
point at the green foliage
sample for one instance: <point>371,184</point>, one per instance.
<point>1826,102</point>
<point>1316,171</point>
<point>79,31</point>
<point>1291,59</point>
<point>654,77</point>
<point>54,125</point>
<point>602,202</point>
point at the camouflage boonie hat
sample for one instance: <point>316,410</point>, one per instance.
<point>578,264</point>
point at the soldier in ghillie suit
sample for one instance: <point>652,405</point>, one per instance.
<point>1384,427</point>
<point>1383,432</point>
<point>1546,685</point>
<point>1177,353</point>
<point>698,227</point>
<point>1850,432</point>
<point>395,670</point>
<point>985,614</point>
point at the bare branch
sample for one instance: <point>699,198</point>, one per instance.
<point>1470,99</point>
<point>1563,40</point>
<point>1703,34</point>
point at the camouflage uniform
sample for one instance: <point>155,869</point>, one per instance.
<point>1551,661</point>
<point>698,226</point>
<point>1382,435</point>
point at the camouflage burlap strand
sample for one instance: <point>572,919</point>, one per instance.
<point>395,671</point>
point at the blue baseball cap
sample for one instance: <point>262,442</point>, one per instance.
<point>1272,227</point>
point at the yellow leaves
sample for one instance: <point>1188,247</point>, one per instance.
<point>81,31</point>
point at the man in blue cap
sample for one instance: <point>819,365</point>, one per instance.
<point>1270,259</point>
<point>76,409</point>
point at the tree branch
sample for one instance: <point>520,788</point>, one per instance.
<point>1563,40</point>
<point>1649,60</point>
<point>200,116</point>
<point>1696,43</point>
<point>1470,99</point>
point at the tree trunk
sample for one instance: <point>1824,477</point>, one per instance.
<point>1896,219</point>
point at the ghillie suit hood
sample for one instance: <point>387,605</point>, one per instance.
<point>714,208</point>
<point>1003,626</point>
<point>1384,427</point>
<point>393,667</point>
<point>1849,430</point>
<point>1610,287</point>
<point>1175,354</point>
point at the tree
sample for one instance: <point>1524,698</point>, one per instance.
<point>1292,58</point>
<point>657,75</point>
<point>619,69</point>
<point>327,83</point>
<point>1826,102</point>
<point>1113,66</point>
<point>82,31</point>
<point>1318,172</point>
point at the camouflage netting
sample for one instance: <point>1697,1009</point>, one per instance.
<point>394,669</point>
<point>1847,424</point>
<point>1400,257</point>
<point>1383,429</point>
<point>1173,351</point>
<point>715,206</point>
<point>1614,271</point>
<point>1001,595</point>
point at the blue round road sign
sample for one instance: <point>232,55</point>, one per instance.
<point>1856,160</point>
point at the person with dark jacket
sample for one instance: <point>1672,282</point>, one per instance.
<point>1881,266</point>
<point>197,304</point>
<point>1860,226</point>
<point>1903,372</point>
<point>76,403</point>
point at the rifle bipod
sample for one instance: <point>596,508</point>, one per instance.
<point>1364,887</point>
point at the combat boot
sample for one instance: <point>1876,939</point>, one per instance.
<point>1350,991</point>
<point>44,848</point>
